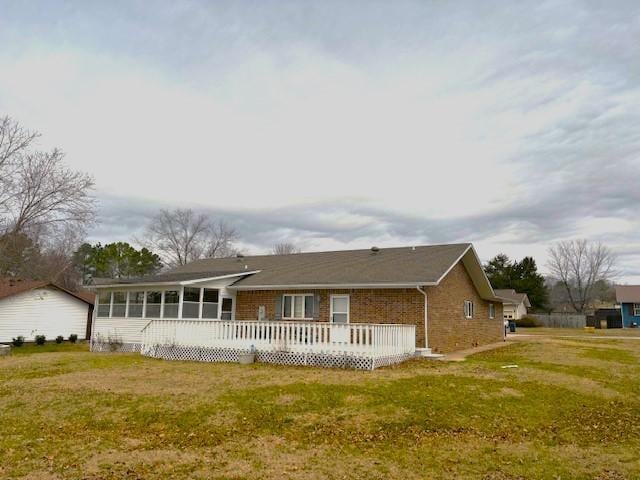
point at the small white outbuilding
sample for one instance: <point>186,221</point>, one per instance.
<point>29,308</point>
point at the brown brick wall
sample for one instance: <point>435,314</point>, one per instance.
<point>448,329</point>
<point>405,306</point>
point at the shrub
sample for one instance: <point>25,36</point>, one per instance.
<point>59,339</point>
<point>40,339</point>
<point>18,341</point>
<point>528,322</point>
<point>73,338</point>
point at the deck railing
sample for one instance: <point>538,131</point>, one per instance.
<point>359,339</point>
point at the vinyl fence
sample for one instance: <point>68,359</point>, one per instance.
<point>561,320</point>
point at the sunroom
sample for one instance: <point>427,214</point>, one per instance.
<point>125,308</point>
<point>195,319</point>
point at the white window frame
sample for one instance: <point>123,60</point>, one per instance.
<point>468,309</point>
<point>293,295</point>
<point>636,309</point>
<point>492,311</point>
<point>126,303</point>
<point>348,312</point>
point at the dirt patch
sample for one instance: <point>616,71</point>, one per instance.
<point>584,386</point>
<point>288,399</point>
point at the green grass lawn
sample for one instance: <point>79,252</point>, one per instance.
<point>613,332</point>
<point>571,409</point>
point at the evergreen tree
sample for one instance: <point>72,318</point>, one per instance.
<point>115,260</point>
<point>521,276</point>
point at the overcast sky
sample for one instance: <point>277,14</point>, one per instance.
<point>344,124</point>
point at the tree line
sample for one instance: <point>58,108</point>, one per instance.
<point>580,274</point>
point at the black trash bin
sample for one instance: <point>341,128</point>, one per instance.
<point>512,326</point>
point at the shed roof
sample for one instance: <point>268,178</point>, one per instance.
<point>628,293</point>
<point>511,296</point>
<point>13,286</point>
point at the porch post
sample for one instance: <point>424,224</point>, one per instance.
<point>180,300</point>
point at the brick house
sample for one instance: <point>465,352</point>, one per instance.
<point>387,303</point>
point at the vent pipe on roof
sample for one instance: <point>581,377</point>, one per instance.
<point>375,249</point>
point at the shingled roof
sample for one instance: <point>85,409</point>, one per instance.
<point>628,293</point>
<point>13,286</point>
<point>385,266</point>
<point>511,296</point>
<point>402,267</point>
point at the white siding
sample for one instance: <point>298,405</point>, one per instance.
<point>516,311</point>
<point>42,311</point>
<point>126,330</point>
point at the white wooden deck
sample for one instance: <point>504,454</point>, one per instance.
<point>357,345</point>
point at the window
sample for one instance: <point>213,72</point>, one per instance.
<point>154,299</point>
<point>191,303</point>
<point>227,309</point>
<point>119,304</point>
<point>636,309</point>
<point>297,307</point>
<point>468,309</point>
<point>492,310</point>
<point>136,302</point>
<point>104,304</point>
<point>340,308</point>
<point>210,303</point>
<point>171,301</point>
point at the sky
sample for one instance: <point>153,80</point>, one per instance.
<point>337,125</point>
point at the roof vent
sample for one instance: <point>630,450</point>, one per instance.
<point>375,249</point>
<point>413,249</point>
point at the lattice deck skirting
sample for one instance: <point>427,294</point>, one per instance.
<point>204,354</point>
<point>116,347</point>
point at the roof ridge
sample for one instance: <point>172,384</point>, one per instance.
<point>352,250</point>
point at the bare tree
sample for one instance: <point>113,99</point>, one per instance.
<point>14,142</point>
<point>579,265</point>
<point>221,238</point>
<point>182,235</point>
<point>45,207</point>
<point>47,194</point>
<point>284,248</point>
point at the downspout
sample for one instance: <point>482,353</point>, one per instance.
<point>93,323</point>
<point>426,324</point>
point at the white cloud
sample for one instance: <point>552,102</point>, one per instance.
<point>412,124</point>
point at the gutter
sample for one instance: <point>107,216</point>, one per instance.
<point>426,323</point>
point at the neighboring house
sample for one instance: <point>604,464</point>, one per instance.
<point>362,308</point>
<point>29,308</point>
<point>628,296</point>
<point>514,304</point>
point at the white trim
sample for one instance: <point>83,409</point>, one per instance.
<point>636,309</point>
<point>470,313</point>
<point>233,306</point>
<point>454,264</point>
<point>426,321</point>
<point>176,283</point>
<point>348,312</point>
<point>180,301</point>
<point>330,285</point>
<point>221,277</point>
<point>303,295</point>
<point>492,311</point>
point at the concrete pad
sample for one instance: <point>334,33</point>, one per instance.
<point>461,355</point>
